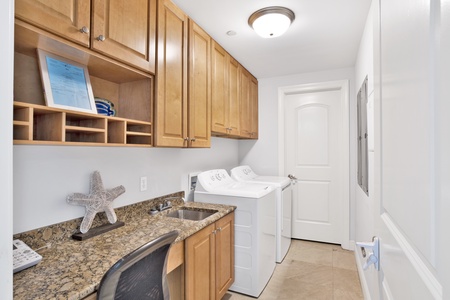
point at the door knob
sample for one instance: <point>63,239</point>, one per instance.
<point>292,177</point>
<point>374,257</point>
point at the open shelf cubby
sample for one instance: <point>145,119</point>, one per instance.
<point>37,124</point>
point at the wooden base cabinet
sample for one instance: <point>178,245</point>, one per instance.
<point>224,255</point>
<point>209,261</point>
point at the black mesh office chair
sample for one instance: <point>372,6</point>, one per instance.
<point>140,274</point>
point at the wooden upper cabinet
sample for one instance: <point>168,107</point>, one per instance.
<point>183,104</point>
<point>225,96</point>
<point>233,97</point>
<point>249,105</point>
<point>219,89</point>
<point>171,88</point>
<point>199,132</point>
<point>70,19</point>
<point>121,29</point>
<point>245,108</point>
<point>255,112</point>
<point>125,30</point>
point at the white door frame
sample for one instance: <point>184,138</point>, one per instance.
<point>6,148</point>
<point>343,86</point>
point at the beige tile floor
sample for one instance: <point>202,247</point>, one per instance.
<point>312,271</point>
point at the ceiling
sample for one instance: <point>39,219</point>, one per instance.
<point>325,34</point>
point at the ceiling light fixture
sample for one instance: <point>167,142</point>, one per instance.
<point>270,22</point>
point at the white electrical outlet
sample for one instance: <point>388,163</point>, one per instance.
<point>143,183</point>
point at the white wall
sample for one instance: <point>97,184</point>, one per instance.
<point>45,175</point>
<point>6,185</point>
<point>262,155</point>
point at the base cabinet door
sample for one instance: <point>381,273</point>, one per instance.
<point>224,254</point>
<point>209,261</point>
<point>200,265</point>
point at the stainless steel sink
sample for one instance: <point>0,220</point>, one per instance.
<point>193,214</point>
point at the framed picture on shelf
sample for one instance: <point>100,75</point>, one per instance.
<point>66,83</point>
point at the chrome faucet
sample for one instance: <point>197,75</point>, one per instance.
<point>166,205</point>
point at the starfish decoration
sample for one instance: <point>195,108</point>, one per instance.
<point>98,200</point>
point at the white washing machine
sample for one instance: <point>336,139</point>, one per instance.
<point>284,205</point>
<point>254,226</point>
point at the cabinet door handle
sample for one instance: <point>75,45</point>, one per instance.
<point>193,140</point>
<point>101,38</point>
<point>214,232</point>
<point>186,139</point>
<point>84,29</point>
<point>219,229</point>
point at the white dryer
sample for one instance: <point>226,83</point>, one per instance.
<point>284,205</point>
<point>254,226</point>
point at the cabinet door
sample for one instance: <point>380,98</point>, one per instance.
<point>246,105</point>
<point>219,89</point>
<point>200,265</point>
<point>224,254</point>
<point>254,102</point>
<point>64,18</point>
<point>233,97</point>
<point>171,87</point>
<point>125,30</point>
<point>199,131</point>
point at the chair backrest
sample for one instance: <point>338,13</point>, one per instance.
<point>140,274</point>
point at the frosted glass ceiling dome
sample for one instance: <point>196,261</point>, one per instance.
<point>271,21</point>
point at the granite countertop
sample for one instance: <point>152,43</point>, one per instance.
<point>73,269</point>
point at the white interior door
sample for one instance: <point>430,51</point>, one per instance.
<point>406,144</point>
<point>314,134</point>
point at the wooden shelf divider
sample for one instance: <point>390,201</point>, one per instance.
<point>37,124</point>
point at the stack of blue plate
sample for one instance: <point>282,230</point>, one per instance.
<point>105,107</point>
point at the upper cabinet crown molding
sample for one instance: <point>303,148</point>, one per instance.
<point>123,30</point>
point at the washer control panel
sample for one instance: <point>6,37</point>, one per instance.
<point>213,179</point>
